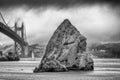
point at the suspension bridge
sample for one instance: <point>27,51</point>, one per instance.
<point>17,34</point>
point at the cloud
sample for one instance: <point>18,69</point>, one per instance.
<point>58,3</point>
<point>97,22</point>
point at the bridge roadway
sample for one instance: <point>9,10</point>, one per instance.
<point>10,33</point>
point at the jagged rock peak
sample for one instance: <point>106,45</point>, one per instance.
<point>66,27</point>
<point>67,21</point>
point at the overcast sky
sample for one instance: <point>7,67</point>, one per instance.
<point>97,20</point>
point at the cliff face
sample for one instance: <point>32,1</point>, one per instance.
<point>64,50</point>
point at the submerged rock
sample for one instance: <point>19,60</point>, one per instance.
<point>64,51</point>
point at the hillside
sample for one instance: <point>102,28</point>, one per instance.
<point>36,49</point>
<point>111,50</point>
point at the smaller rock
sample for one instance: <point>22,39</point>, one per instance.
<point>10,57</point>
<point>86,62</point>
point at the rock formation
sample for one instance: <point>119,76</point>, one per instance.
<point>66,51</point>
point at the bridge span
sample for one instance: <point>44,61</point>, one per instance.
<point>13,35</point>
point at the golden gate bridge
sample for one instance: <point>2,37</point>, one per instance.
<point>18,34</point>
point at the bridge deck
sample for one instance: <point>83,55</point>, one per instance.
<point>10,33</point>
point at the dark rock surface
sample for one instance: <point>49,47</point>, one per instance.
<point>10,57</point>
<point>65,51</point>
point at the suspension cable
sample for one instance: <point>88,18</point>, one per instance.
<point>3,18</point>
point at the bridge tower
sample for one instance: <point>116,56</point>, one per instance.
<point>20,30</point>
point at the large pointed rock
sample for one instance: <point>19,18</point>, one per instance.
<point>65,51</point>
